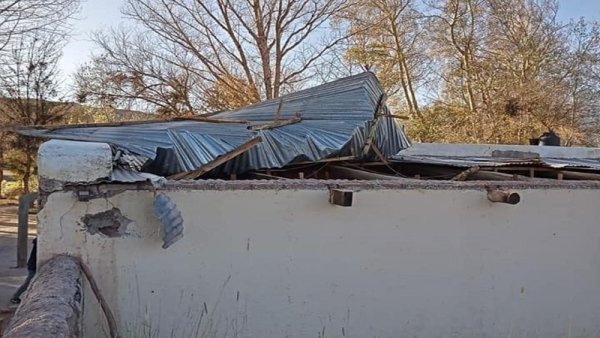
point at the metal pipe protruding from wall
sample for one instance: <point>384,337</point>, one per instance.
<point>503,196</point>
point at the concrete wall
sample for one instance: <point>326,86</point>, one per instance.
<point>271,262</point>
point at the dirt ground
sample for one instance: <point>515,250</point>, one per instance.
<point>10,278</point>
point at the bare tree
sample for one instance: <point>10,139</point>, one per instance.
<point>250,50</point>
<point>387,36</point>
<point>19,17</point>
<point>22,25</point>
<point>582,77</point>
<point>134,73</point>
<point>527,45</point>
<point>459,29</point>
<point>511,70</point>
<point>29,96</point>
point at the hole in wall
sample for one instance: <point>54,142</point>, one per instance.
<point>110,223</point>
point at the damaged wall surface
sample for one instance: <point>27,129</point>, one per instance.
<point>276,262</point>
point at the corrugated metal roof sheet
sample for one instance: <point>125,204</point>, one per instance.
<point>455,150</point>
<point>467,162</point>
<point>336,120</point>
<point>463,162</point>
<point>574,163</point>
<point>350,98</point>
<point>500,155</point>
<point>130,176</point>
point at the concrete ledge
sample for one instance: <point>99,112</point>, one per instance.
<point>52,304</point>
<point>104,190</point>
<point>402,184</point>
<point>74,162</point>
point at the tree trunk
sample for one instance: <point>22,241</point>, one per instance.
<point>411,90</point>
<point>469,83</point>
<point>406,79</point>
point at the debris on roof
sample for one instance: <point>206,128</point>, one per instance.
<point>338,130</point>
<point>501,162</point>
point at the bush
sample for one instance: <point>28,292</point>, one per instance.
<point>14,189</point>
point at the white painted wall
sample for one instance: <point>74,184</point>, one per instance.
<point>399,263</point>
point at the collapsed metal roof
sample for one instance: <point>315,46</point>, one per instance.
<point>467,162</point>
<point>335,119</point>
<point>483,155</point>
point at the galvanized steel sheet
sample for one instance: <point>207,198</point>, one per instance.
<point>336,120</point>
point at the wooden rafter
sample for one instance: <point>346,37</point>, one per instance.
<point>194,174</point>
<point>325,160</point>
<point>465,174</point>
<point>276,124</point>
<point>354,173</point>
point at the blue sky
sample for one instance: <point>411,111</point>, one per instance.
<point>579,8</point>
<point>100,14</point>
<point>95,15</point>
